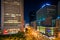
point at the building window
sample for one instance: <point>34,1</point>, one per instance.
<point>18,14</point>
<point>16,3</point>
<point>7,14</point>
<point>13,15</point>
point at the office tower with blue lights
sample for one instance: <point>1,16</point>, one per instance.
<point>12,16</point>
<point>46,16</point>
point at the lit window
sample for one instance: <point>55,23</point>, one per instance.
<point>12,15</point>
<point>18,14</point>
<point>7,14</point>
<point>12,21</point>
<point>16,3</point>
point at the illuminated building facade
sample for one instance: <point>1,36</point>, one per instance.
<point>12,16</point>
<point>46,16</point>
<point>46,13</point>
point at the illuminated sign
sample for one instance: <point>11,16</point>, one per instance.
<point>5,31</point>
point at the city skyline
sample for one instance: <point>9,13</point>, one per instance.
<point>30,5</point>
<point>26,16</point>
<point>36,4</point>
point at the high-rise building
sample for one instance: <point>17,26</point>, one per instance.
<point>12,15</point>
<point>46,16</point>
<point>58,18</point>
<point>57,21</point>
<point>46,13</point>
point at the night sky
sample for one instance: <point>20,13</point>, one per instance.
<point>30,5</point>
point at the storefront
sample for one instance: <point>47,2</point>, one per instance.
<point>46,30</point>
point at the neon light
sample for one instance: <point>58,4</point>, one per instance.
<point>43,6</point>
<point>46,5</point>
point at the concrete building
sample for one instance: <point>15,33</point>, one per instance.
<point>12,15</point>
